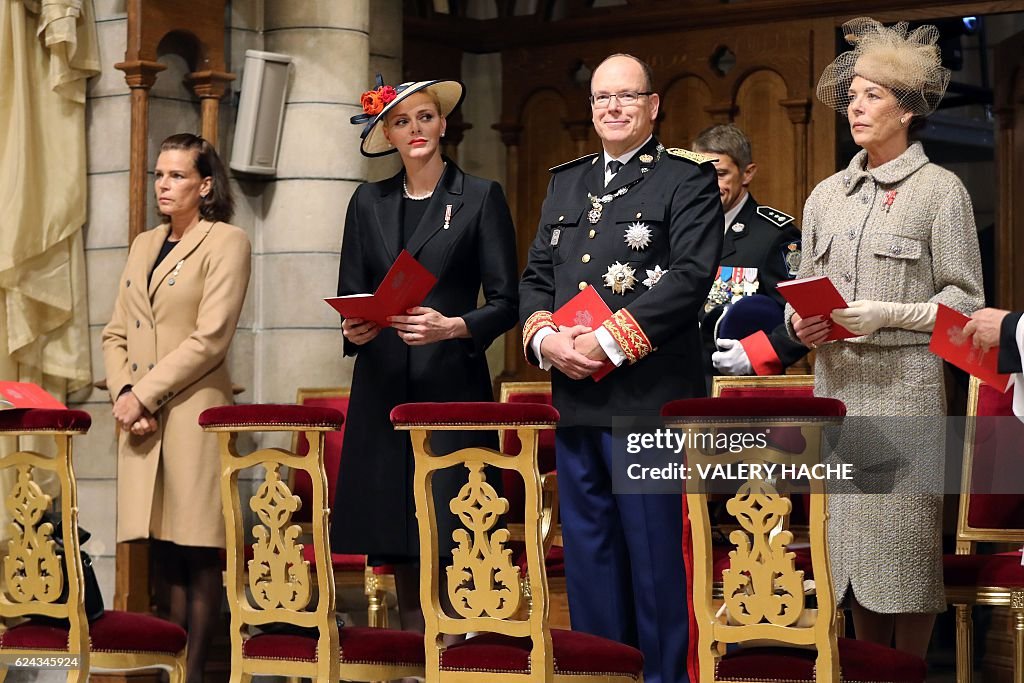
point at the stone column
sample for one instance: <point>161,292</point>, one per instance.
<point>296,251</point>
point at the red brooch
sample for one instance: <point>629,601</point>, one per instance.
<point>890,197</point>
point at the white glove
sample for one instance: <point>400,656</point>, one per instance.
<point>864,317</point>
<point>732,359</point>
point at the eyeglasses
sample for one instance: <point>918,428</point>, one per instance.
<point>625,99</point>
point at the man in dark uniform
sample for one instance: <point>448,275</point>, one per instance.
<point>1005,329</point>
<point>642,224</point>
<point>761,248</point>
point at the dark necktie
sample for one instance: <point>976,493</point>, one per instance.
<point>614,166</point>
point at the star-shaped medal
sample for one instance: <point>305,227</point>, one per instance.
<point>653,276</point>
<point>620,278</point>
<point>638,236</point>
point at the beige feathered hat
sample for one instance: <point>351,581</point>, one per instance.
<point>909,65</point>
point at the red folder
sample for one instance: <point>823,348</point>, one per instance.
<point>812,296</point>
<point>405,286</point>
<point>950,343</point>
<point>589,309</point>
<point>26,395</point>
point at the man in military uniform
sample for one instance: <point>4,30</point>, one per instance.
<point>761,249</point>
<point>642,224</point>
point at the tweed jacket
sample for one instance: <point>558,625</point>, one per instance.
<point>901,232</point>
<point>169,339</point>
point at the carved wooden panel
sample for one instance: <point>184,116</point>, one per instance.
<point>760,114</point>
<point>684,111</point>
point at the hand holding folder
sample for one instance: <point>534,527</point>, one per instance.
<point>405,286</point>
<point>951,344</point>
<point>811,296</point>
<point>588,309</point>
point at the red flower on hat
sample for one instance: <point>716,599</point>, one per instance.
<point>372,102</point>
<point>375,100</point>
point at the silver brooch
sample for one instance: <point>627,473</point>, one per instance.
<point>620,277</point>
<point>653,276</point>
<point>638,236</point>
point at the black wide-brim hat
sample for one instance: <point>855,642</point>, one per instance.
<point>449,94</point>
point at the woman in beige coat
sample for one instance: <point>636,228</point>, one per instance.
<point>177,306</point>
<point>896,235</point>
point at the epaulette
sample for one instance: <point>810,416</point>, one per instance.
<point>568,164</point>
<point>779,218</point>
<point>695,157</point>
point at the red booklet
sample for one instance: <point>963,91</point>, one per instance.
<point>950,343</point>
<point>812,296</point>
<point>26,395</point>
<point>589,309</point>
<point>405,286</point>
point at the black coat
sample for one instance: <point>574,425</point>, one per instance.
<point>767,240</point>
<point>678,201</point>
<point>373,507</point>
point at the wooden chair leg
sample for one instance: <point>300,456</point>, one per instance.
<point>1018,638</point>
<point>964,644</point>
<point>376,607</point>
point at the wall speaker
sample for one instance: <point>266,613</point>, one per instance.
<point>260,113</point>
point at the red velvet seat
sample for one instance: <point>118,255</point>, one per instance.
<point>115,631</point>
<point>357,646</point>
<point>860,661</point>
<point>575,653</point>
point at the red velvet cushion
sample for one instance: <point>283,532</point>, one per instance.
<point>769,406</point>
<point>44,419</point>
<point>358,645</point>
<point>113,632</point>
<point>860,661</point>
<point>476,414</point>
<point>302,487</point>
<point>270,415</point>
<point>339,562</point>
<point>554,561</point>
<point>574,652</point>
<point>1000,571</point>
<point>995,462</point>
<point>763,392</point>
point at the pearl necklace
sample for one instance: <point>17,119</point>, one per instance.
<point>421,197</point>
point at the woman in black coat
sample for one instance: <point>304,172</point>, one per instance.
<point>459,227</point>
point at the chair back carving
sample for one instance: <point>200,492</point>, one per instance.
<point>764,592</point>
<point>755,386</point>
<point>992,438</point>
<point>335,398</point>
<point>282,589</point>
<point>484,584</point>
<point>34,580</point>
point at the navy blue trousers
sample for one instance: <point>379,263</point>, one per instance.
<point>623,556</point>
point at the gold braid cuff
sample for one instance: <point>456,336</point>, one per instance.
<point>534,324</point>
<point>628,335</point>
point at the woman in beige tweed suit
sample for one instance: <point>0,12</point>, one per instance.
<point>178,302</point>
<point>896,235</point>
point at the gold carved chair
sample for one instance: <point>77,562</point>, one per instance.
<point>46,589</point>
<point>349,570</point>
<point>551,528</point>
<point>991,511</point>
<point>484,584</point>
<point>291,598</point>
<point>776,632</point>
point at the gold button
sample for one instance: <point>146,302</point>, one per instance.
<point>586,258</point>
<point>593,233</point>
<point>583,285</point>
<point>639,213</point>
<point>561,218</point>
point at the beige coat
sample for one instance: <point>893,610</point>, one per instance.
<point>901,232</point>
<point>169,341</point>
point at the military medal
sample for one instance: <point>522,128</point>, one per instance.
<point>555,234</point>
<point>792,256</point>
<point>738,227</point>
<point>597,203</point>
<point>638,236</point>
<point>653,276</point>
<point>174,273</point>
<point>620,278</point>
<point>447,216</point>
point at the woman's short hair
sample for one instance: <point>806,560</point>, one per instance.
<point>725,139</point>
<point>219,203</point>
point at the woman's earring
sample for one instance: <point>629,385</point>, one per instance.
<point>903,122</point>
<point>442,133</point>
